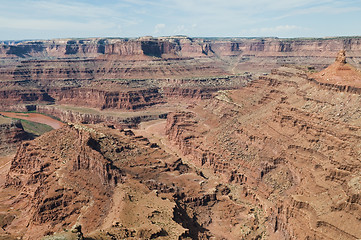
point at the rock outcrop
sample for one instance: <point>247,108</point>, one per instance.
<point>341,57</point>
<point>339,76</point>
<point>60,179</point>
<point>11,135</point>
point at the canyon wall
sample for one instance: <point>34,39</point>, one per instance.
<point>138,73</point>
<point>181,47</point>
<point>119,121</point>
<point>290,145</point>
<point>104,99</point>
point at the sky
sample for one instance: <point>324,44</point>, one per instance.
<point>49,19</point>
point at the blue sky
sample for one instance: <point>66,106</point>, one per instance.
<point>47,19</point>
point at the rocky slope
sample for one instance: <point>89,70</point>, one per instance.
<point>116,185</point>
<point>292,145</point>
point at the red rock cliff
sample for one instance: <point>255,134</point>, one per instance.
<point>182,46</point>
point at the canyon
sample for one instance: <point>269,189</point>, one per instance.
<point>182,138</point>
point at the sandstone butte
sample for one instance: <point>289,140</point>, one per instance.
<point>181,138</point>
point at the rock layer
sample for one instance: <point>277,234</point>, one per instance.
<point>11,135</point>
<point>275,159</point>
<point>74,115</point>
<point>172,47</point>
<point>118,73</point>
<point>116,185</point>
<point>292,146</point>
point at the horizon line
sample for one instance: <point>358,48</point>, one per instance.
<point>176,36</point>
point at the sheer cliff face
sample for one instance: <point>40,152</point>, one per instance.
<point>182,47</point>
<point>104,59</point>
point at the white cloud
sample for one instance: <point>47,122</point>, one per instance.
<point>280,31</point>
<point>34,24</point>
<point>332,9</point>
<point>159,27</point>
<point>180,30</point>
<point>248,12</point>
<point>184,29</point>
<point>168,17</point>
<point>55,18</point>
<point>65,11</point>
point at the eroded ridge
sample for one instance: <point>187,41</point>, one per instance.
<point>293,147</point>
<point>115,184</point>
<point>339,76</point>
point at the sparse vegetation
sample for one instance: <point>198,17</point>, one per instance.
<point>34,128</point>
<point>4,119</point>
